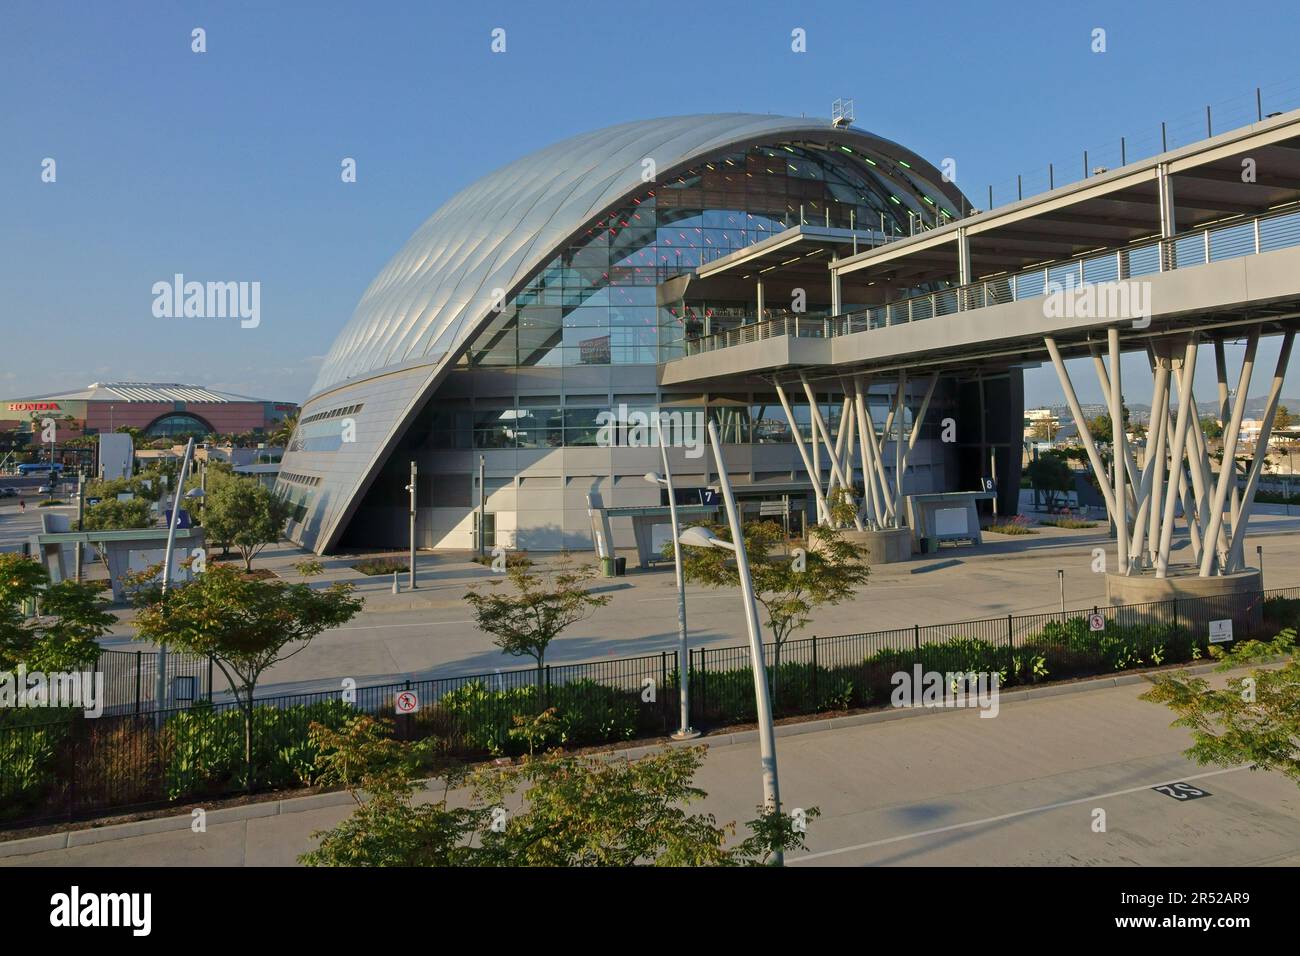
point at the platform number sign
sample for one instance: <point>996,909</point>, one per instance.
<point>407,702</point>
<point>1096,622</point>
<point>990,485</point>
<point>1221,631</point>
<point>1182,791</point>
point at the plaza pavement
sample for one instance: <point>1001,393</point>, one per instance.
<point>430,632</point>
<point>938,788</point>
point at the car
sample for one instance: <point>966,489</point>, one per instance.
<point>45,490</point>
<point>8,492</point>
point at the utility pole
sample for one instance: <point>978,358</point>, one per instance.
<point>411,488</point>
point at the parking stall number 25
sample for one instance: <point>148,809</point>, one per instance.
<point>1181,791</point>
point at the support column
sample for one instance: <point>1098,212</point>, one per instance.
<point>964,276</point>
<point>1120,444</point>
<point>1227,473</point>
<point>758,287</point>
<point>803,452</point>
<point>1186,409</point>
<point>1237,545</point>
<point>820,426</point>
<point>900,462</point>
<point>870,500</point>
<point>1085,436</point>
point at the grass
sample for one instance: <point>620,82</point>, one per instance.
<point>514,559</point>
<point>1067,523</point>
<point>49,502</point>
<point>374,566</point>
<point>1017,525</point>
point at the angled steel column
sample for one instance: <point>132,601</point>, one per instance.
<point>1148,507</point>
<point>1227,473</point>
<point>1130,466</point>
<point>1185,376</point>
<point>1094,457</point>
<point>860,385</point>
<point>1120,444</point>
<point>1237,544</point>
<point>820,426</point>
<point>900,462</point>
<point>803,451</point>
<point>1160,452</point>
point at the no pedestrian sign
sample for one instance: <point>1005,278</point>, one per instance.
<point>408,702</point>
<point>1096,622</point>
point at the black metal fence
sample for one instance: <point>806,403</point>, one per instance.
<point>131,680</point>
<point>60,765</point>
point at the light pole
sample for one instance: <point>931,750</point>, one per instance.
<point>482,506</point>
<point>704,538</point>
<point>685,731</point>
<point>411,488</point>
<point>160,680</point>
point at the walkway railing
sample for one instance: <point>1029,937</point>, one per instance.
<point>1232,240</point>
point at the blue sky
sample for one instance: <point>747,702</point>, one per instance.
<point>225,165</point>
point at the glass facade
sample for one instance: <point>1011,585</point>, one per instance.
<point>600,300</point>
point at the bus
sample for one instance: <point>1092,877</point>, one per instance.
<point>40,468</point>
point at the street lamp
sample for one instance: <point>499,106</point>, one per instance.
<point>684,731</point>
<point>699,537</point>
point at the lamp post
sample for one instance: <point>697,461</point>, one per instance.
<point>704,538</point>
<point>684,731</point>
<point>160,680</point>
<point>411,488</point>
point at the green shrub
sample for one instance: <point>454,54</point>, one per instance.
<point>374,566</point>
<point>203,748</point>
<point>30,742</point>
<point>586,712</point>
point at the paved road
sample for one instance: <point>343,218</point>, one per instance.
<point>946,789</point>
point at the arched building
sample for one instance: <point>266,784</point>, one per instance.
<point>544,299</point>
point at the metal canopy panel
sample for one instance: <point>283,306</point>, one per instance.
<point>437,291</point>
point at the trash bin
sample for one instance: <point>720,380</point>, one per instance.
<point>607,567</point>
<point>929,545</point>
<point>620,566</point>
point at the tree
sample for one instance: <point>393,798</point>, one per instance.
<point>789,588</point>
<point>1050,474</point>
<point>524,623</point>
<point>1283,419</point>
<point>64,637</point>
<point>244,513</point>
<point>1253,720</point>
<point>113,515</point>
<point>1210,425</point>
<point>244,625</point>
<point>578,810</point>
<point>284,430</point>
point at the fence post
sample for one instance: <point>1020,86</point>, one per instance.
<point>1011,650</point>
<point>816,699</point>
<point>137,681</point>
<point>916,639</point>
<point>663,685</point>
<point>546,694</point>
<point>210,693</point>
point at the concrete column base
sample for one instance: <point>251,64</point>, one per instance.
<point>1191,600</point>
<point>886,546</point>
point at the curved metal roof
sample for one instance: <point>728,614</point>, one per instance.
<point>496,232</point>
